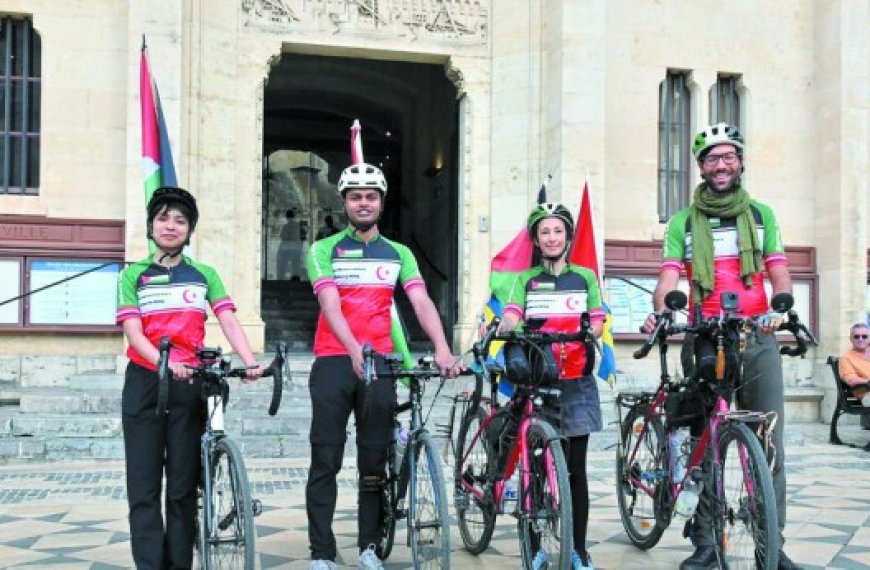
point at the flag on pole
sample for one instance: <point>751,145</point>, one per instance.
<point>158,168</point>
<point>397,328</point>
<point>585,252</point>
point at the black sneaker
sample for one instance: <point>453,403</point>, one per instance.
<point>703,558</point>
<point>786,563</point>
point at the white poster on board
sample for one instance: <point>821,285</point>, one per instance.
<point>89,299</point>
<point>10,287</point>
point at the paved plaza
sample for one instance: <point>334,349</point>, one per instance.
<point>73,515</point>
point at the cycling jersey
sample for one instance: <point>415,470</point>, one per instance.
<point>365,274</point>
<point>171,302</point>
<point>677,253</point>
<point>554,303</point>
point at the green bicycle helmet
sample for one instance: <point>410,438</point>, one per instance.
<point>720,133</point>
<point>550,210</point>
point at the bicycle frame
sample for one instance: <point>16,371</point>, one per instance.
<point>214,430</point>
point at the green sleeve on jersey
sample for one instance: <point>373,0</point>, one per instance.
<point>772,235</point>
<point>214,286</point>
<point>128,296</point>
<point>674,242</point>
<point>318,262</point>
<point>408,264</point>
<point>517,292</point>
<point>593,293</point>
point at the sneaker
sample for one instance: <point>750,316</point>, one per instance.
<point>577,562</point>
<point>368,559</point>
<point>541,560</point>
<point>786,563</point>
<point>322,565</point>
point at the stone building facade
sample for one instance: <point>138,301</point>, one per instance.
<point>572,88</point>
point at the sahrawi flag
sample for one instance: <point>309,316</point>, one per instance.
<point>157,166</point>
<point>585,252</point>
<point>397,331</point>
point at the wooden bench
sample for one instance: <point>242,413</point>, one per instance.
<point>847,403</point>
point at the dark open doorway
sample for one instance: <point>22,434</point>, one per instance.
<point>408,114</point>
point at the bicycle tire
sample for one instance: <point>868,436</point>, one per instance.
<point>163,376</point>
<point>199,560</point>
<point>643,517</point>
<point>388,514</point>
<point>230,537</point>
<point>548,495</point>
<point>280,374</point>
<point>428,518</point>
<point>475,517</point>
<point>743,518</point>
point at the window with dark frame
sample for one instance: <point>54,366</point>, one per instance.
<point>674,144</point>
<point>20,96</point>
<point>725,101</point>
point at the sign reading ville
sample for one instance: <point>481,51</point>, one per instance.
<point>23,231</point>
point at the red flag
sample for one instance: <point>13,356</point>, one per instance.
<point>356,152</point>
<point>584,251</point>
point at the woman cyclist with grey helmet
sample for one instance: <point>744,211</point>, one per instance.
<point>550,297</point>
<point>166,294</point>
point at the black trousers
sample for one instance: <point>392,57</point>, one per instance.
<point>576,456</point>
<point>762,390</point>
<point>153,445</point>
<point>336,391</point>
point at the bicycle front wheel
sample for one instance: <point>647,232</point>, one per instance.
<point>228,535</point>
<point>748,524</point>
<point>475,510</point>
<point>641,480</point>
<point>428,522</point>
<point>545,524</point>
<point>388,513</point>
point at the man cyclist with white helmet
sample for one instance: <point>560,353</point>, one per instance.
<point>354,273</point>
<point>726,241</point>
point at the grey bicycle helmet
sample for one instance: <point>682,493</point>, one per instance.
<point>720,133</point>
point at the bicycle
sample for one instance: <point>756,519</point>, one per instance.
<point>745,524</point>
<point>225,534</point>
<point>496,441</point>
<point>418,470</point>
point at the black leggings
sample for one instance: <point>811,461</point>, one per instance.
<point>576,456</point>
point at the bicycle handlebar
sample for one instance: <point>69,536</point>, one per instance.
<point>219,369</point>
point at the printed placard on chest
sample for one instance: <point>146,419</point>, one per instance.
<point>350,272</point>
<point>177,297</point>
<point>724,242</point>
<point>544,303</point>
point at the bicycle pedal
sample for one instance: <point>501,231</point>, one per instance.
<point>257,507</point>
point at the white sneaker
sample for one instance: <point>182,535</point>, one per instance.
<point>368,559</point>
<point>322,565</point>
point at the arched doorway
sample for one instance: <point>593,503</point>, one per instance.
<point>408,112</point>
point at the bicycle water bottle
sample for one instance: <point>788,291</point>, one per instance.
<point>687,501</point>
<point>216,413</point>
<point>511,492</point>
<point>676,439</point>
<point>400,442</point>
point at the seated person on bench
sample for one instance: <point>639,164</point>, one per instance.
<point>855,364</point>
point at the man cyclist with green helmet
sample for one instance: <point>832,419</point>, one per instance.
<point>725,240</point>
<point>354,273</point>
<point>551,297</point>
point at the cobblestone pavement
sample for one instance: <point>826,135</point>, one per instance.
<point>73,515</point>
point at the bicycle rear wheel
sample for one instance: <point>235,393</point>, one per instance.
<point>474,514</point>
<point>388,513</point>
<point>641,481</point>
<point>428,518</point>
<point>228,535</point>
<point>545,521</point>
<point>748,526</point>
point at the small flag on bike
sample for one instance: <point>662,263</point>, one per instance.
<point>158,169</point>
<point>584,252</point>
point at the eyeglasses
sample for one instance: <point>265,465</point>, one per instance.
<point>860,336</point>
<point>729,158</point>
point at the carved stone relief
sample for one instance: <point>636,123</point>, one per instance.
<point>458,22</point>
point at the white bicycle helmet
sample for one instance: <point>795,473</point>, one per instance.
<point>720,133</point>
<point>362,175</point>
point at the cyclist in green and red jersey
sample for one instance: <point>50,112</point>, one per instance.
<point>726,241</point>
<point>551,297</point>
<point>167,295</point>
<point>354,273</point>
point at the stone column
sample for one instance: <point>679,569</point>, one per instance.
<point>471,78</point>
<point>841,214</point>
